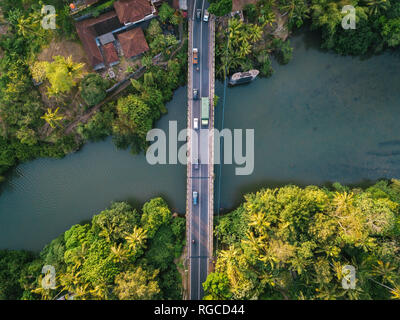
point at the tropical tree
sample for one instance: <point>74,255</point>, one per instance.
<point>93,89</point>
<point>52,117</point>
<point>138,284</point>
<point>137,239</point>
<point>165,12</point>
<point>375,7</point>
<point>119,252</point>
<point>297,11</point>
<point>294,243</point>
<point>220,7</point>
<point>63,74</point>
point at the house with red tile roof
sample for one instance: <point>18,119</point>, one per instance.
<point>133,11</point>
<point>133,42</point>
<point>110,54</point>
<point>101,36</point>
<point>90,29</point>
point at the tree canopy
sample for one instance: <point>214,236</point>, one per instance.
<point>93,89</point>
<point>120,254</point>
<point>292,243</point>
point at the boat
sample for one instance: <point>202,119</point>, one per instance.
<point>243,77</point>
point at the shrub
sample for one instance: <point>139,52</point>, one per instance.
<point>221,8</point>
<point>283,51</point>
<point>93,89</point>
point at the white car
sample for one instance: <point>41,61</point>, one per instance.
<point>195,197</point>
<point>206,16</point>
<point>196,123</point>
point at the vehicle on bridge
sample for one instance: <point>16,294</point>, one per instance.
<point>205,111</point>
<point>195,57</point>
<point>195,197</point>
<point>196,123</point>
<point>196,164</point>
<point>206,16</point>
<point>195,94</point>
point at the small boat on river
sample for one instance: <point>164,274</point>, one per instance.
<point>243,77</point>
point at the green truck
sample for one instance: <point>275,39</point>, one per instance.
<point>205,111</point>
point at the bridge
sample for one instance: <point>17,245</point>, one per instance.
<point>200,177</point>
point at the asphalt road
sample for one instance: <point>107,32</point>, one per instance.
<point>200,180</point>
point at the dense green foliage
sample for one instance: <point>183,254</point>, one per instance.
<point>377,23</point>
<point>21,107</point>
<point>99,126</point>
<point>291,243</point>
<point>120,254</point>
<point>236,48</point>
<point>12,264</point>
<point>248,44</point>
<point>93,89</point>
<point>282,50</point>
<point>165,12</point>
<point>220,7</point>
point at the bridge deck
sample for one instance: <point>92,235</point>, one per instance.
<point>200,217</point>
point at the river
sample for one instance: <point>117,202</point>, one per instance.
<point>319,119</point>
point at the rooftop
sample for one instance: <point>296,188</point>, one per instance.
<point>89,29</point>
<point>110,53</point>
<point>133,42</point>
<point>132,10</point>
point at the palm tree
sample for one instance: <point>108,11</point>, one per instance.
<point>234,26</point>
<point>45,293</point>
<point>227,64</point>
<point>100,291</point>
<point>244,49</point>
<point>81,291</point>
<point>119,253</point>
<point>106,233</point>
<point>52,118</point>
<point>74,69</point>
<point>259,221</point>
<point>255,243</point>
<point>228,258</point>
<point>385,270</point>
<point>376,6</point>
<point>255,33</point>
<point>343,202</point>
<point>396,292</point>
<point>137,238</point>
<point>267,17</point>
<point>329,292</point>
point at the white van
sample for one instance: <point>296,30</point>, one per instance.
<point>206,16</point>
<point>196,123</point>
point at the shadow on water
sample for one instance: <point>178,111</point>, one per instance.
<point>9,176</point>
